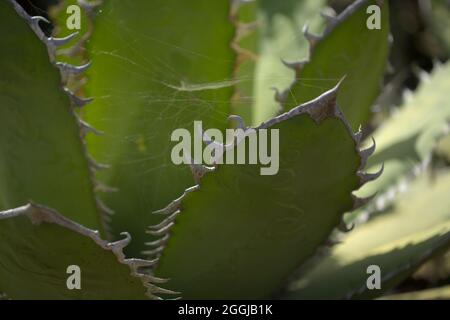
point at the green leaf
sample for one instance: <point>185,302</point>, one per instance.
<point>399,241</point>
<point>347,48</point>
<point>281,39</point>
<point>154,69</point>
<point>39,133</point>
<point>404,148</point>
<point>35,260</point>
<point>273,36</point>
<point>442,293</point>
<point>240,234</point>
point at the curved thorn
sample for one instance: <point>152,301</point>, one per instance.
<point>329,14</point>
<point>361,202</point>
<point>153,252</point>
<point>87,128</point>
<point>343,227</point>
<point>66,68</point>
<point>57,42</point>
<point>77,101</point>
<point>358,136</point>
<point>37,19</point>
<point>158,242</point>
<point>140,263</point>
<point>101,187</point>
<point>95,165</point>
<point>103,207</point>
<point>165,222</point>
<point>157,279</point>
<point>164,291</point>
<point>366,177</point>
<point>297,66</point>
<point>366,153</point>
<point>199,171</point>
<point>119,245</point>
<point>161,231</point>
<point>280,96</point>
<point>239,120</point>
<point>175,204</point>
<point>312,38</point>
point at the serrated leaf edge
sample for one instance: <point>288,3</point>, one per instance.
<point>319,109</point>
<point>39,214</point>
<point>332,22</point>
<point>66,70</point>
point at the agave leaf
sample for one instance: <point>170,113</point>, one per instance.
<point>39,134</point>
<point>406,140</point>
<point>35,260</point>
<point>272,33</point>
<point>347,48</point>
<point>399,241</point>
<point>241,234</point>
<point>149,76</point>
<point>441,293</point>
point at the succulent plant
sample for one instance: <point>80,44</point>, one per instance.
<point>86,177</point>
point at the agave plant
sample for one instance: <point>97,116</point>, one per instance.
<point>86,177</point>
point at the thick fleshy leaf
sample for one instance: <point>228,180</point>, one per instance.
<point>277,35</point>
<point>42,157</point>
<point>399,241</point>
<point>38,245</point>
<point>240,234</point>
<point>347,48</point>
<point>155,68</point>
<point>406,141</point>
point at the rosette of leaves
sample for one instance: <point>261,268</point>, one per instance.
<point>70,164</point>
